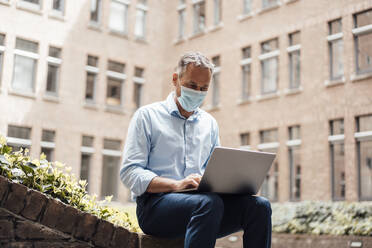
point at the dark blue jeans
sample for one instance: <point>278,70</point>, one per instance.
<point>201,218</point>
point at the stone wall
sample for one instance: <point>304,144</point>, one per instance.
<point>31,219</point>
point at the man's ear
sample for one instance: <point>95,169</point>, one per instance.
<point>174,79</point>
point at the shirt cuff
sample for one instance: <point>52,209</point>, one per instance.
<point>146,178</point>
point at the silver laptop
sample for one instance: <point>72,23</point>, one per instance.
<point>234,171</point>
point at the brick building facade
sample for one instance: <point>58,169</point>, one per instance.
<point>292,76</point>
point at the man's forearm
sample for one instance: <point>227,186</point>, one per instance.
<point>161,184</point>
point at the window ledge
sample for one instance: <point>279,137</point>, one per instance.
<point>29,7</point>
<point>115,110</point>
<point>141,40</point>
<point>95,26</point>
<point>267,9</point>
<point>119,34</point>
<point>290,1</point>
<point>90,105</point>
<point>201,33</point>
<point>5,2</point>
<point>244,17</point>
<point>358,77</point>
<point>57,16</point>
<point>245,101</point>
<point>20,93</point>
<point>293,91</point>
<point>268,96</point>
<point>51,98</point>
<point>216,27</point>
<point>334,82</point>
<point>179,41</point>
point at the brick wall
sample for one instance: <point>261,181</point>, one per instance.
<point>31,219</point>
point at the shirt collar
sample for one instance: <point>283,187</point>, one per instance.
<point>173,109</point>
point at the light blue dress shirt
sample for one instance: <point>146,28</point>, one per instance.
<point>161,142</point>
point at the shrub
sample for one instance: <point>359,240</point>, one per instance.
<point>54,179</point>
<point>336,218</point>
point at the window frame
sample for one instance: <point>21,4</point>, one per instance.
<point>144,9</point>
<point>126,3</point>
<point>246,63</point>
<point>181,10</point>
<point>99,14</point>
<point>196,17</point>
<point>23,4</point>
<point>264,57</point>
<point>58,63</point>
<point>293,49</point>
<point>116,76</point>
<point>92,70</point>
<point>56,12</point>
<point>30,55</point>
<point>360,31</point>
<point>361,136</point>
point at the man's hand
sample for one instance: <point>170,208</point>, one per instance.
<point>190,182</point>
<point>162,184</point>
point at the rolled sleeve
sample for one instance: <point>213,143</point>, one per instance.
<point>134,173</point>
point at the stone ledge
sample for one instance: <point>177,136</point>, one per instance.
<point>29,218</point>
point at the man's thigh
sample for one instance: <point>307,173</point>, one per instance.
<point>167,215</point>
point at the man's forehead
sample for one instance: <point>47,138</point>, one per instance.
<point>197,74</point>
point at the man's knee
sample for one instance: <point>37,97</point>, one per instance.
<point>212,203</point>
<point>263,205</point>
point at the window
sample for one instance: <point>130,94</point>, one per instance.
<point>294,155</point>
<point>48,144</point>
<point>138,87</point>
<point>217,12</point>
<point>294,132</point>
<point>269,136</point>
<point>364,150</point>
<point>59,6</point>
<point>95,11</point>
<point>269,66</point>
<point>245,141</point>
<point>246,73</point>
<point>216,81</point>
<point>247,7</point>
<point>115,81</point>
<point>139,30</point>
<point>118,16</point>
<point>19,137</point>
<point>181,20</point>
<point>91,80</point>
<point>54,63</point>
<point>2,49</point>
<point>30,4</point>
<point>269,3</point>
<point>199,17</point>
<point>294,53</point>
<point>110,170</point>
<point>269,143</point>
<point>25,61</point>
<point>87,152</point>
<point>363,36</point>
<point>336,145</point>
<point>336,49</point>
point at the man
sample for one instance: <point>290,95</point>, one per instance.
<point>167,148</point>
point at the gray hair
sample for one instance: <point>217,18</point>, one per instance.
<point>196,58</point>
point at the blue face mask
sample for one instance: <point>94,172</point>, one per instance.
<point>191,99</point>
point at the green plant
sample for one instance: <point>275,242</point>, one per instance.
<point>54,179</point>
<point>336,218</point>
